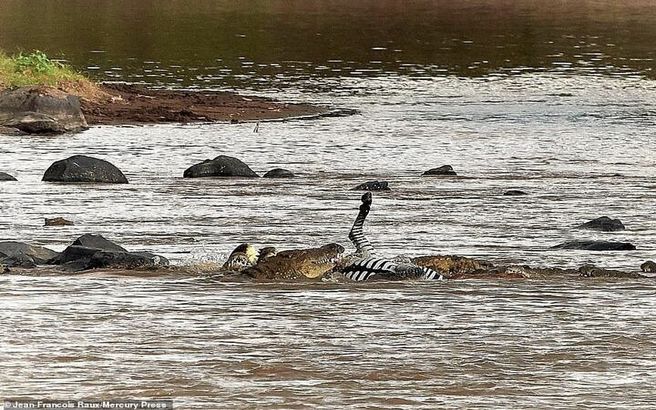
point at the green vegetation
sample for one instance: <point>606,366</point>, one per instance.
<point>35,69</point>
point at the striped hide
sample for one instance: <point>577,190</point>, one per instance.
<point>385,269</point>
<point>362,245</point>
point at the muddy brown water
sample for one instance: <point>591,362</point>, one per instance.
<point>553,98</point>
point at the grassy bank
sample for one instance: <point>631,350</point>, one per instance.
<point>37,69</point>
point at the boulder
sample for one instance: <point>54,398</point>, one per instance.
<point>596,246</point>
<point>604,224</point>
<point>20,261</point>
<point>94,251</point>
<point>80,168</point>
<point>373,186</point>
<point>84,247</point>
<point>649,266</point>
<point>221,166</point>
<point>279,173</point>
<point>514,192</point>
<point>126,260</point>
<point>41,110</point>
<point>58,221</point>
<point>6,177</point>
<point>98,242</point>
<point>24,255</point>
<point>443,170</point>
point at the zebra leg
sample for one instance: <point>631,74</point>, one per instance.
<point>362,245</point>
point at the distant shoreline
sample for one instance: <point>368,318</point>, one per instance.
<point>122,103</point>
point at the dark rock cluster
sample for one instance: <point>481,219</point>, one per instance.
<point>86,252</point>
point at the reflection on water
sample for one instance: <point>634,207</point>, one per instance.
<point>553,98</point>
<point>278,43</point>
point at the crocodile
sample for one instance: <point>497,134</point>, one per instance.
<point>329,260</point>
<point>294,265</point>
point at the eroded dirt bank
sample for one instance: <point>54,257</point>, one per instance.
<point>130,104</point>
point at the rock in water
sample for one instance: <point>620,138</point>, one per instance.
<point>443,170</point>
<point>221,166</point>
<point>58,221</point>
<point>41,110</point>
<point>6,177</point>
<point>596,246</point>
<point>99,242</point>
<point>80,168</point>
<point>25,255</point>
<point>514,192</point>
<point>279,173</point>
<point>94,251</point>
<point>649,266</point>
<point>373,186</point>
<point>604,224</point>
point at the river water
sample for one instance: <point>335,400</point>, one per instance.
<point>554,99</point>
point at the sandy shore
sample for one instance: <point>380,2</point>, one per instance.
<point>131,104</point>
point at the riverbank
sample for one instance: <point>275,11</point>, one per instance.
<point>121,103</point>
<point>118,104</point>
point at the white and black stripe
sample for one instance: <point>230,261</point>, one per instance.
<point>386,269</point>
<point>362,245</point>
<point>366,268</point>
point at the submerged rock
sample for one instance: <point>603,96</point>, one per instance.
<point>279,173</point>
<point>443,170</point>
<point>514,192</point>
<point>6,177</point>
<point>649,267</point>
<point>41,110</point>
<point>126,260</point>
<point>80,169</point>
<point>94,251</point>
<point>21,254</point>
<point>596,246</point>
<point>373,186</point>
<point>58,221</point>
<point>221,166</point>
<point>604,224</point>
<point>98,241</point>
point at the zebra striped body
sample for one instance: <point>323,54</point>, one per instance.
<point>385,269</point>
<point>367,267</point>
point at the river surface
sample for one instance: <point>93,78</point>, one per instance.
<point>556,99</point>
